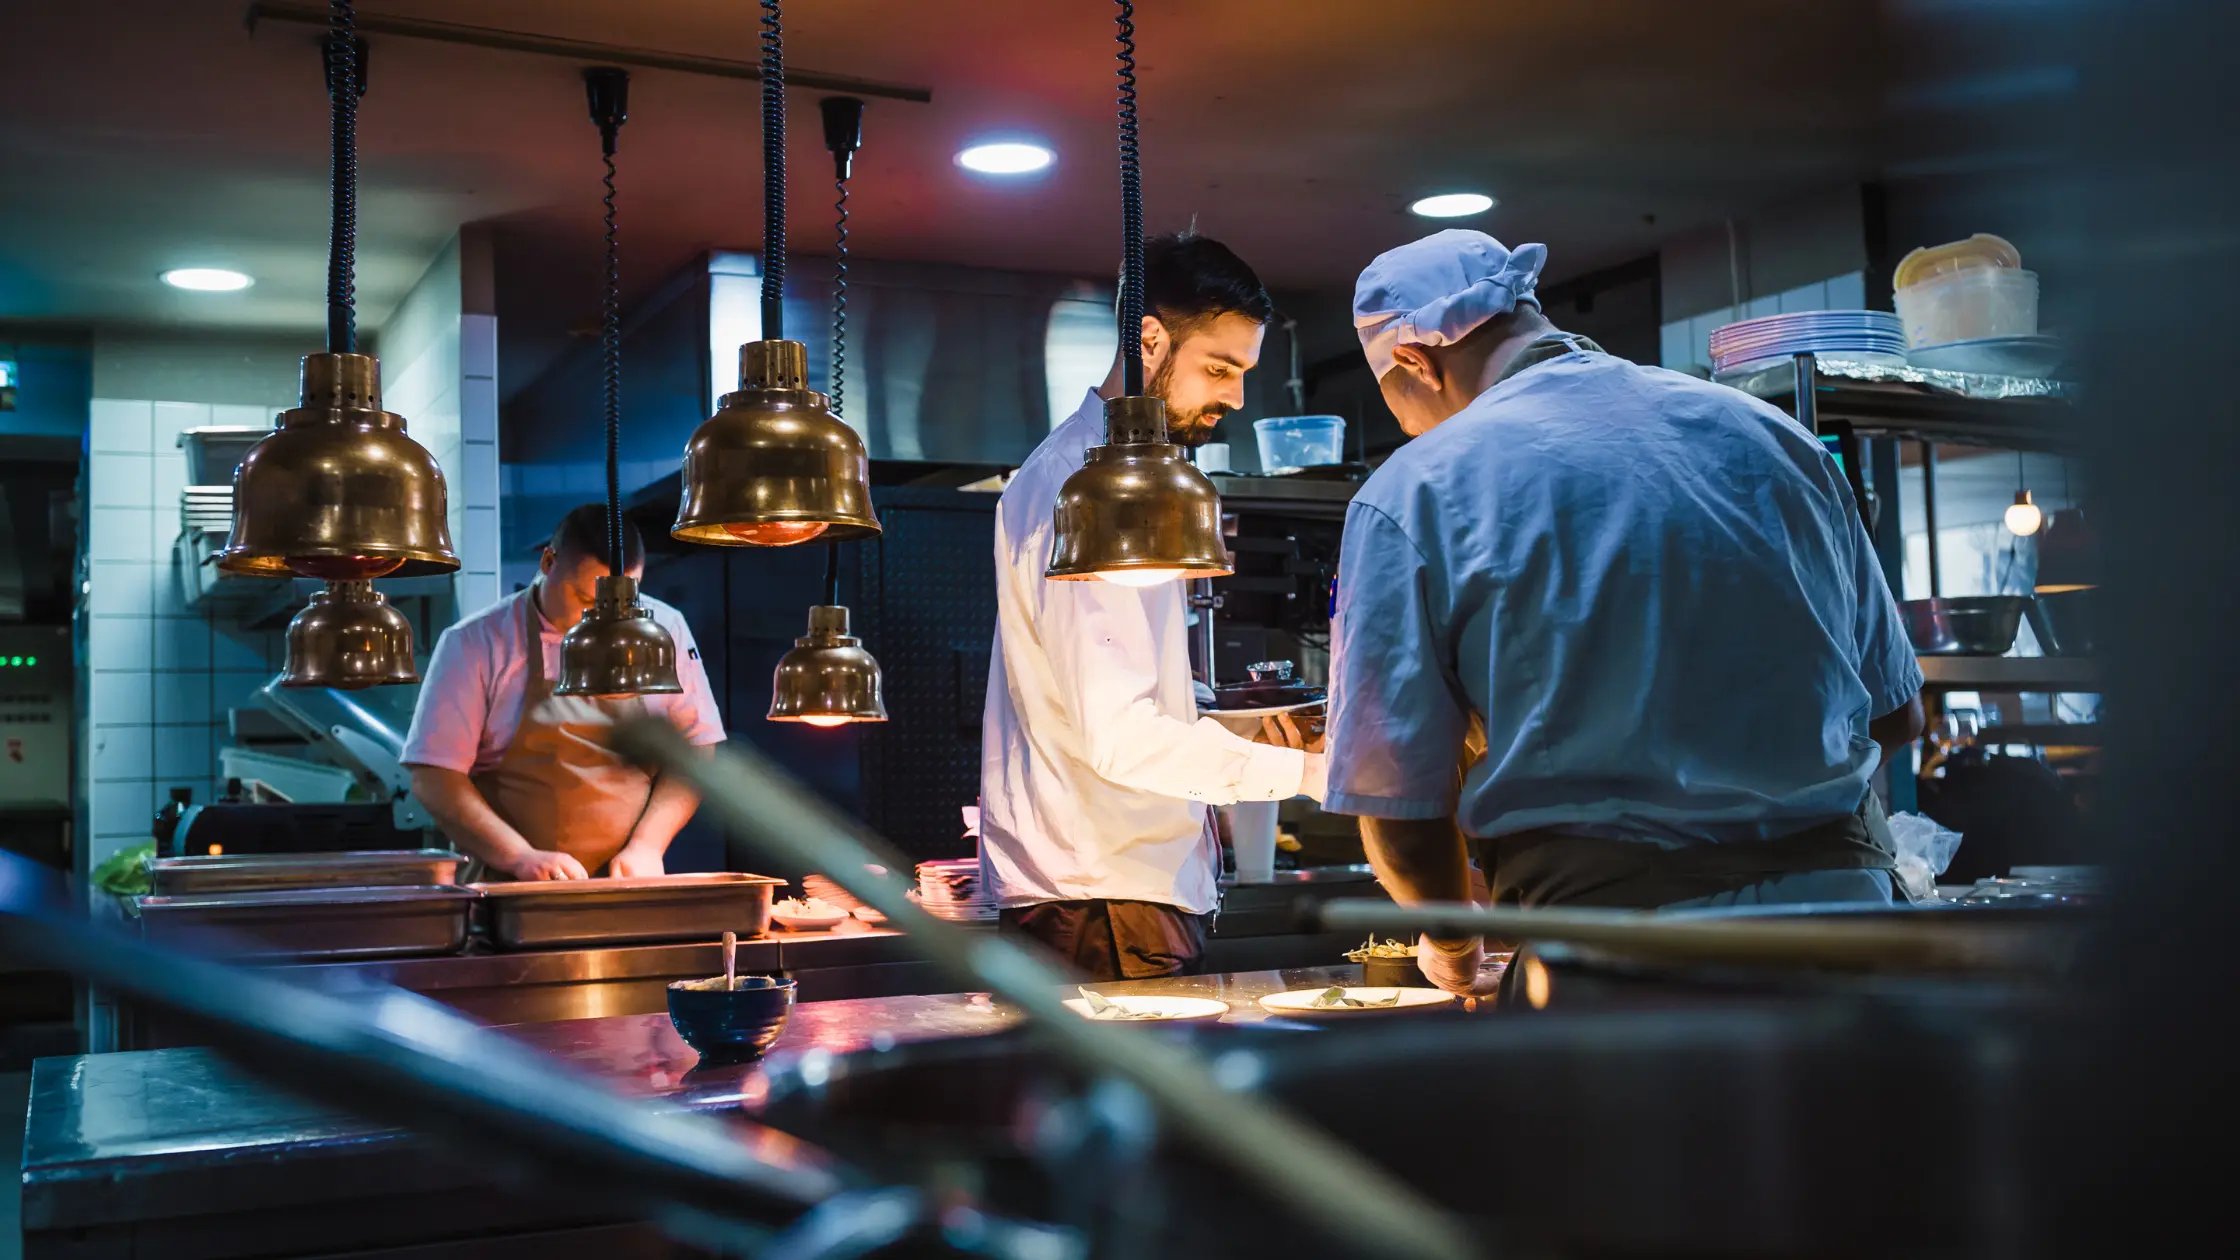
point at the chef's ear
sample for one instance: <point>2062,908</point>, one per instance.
<point>544,562</point>
<point>1156,343</point>
<point>1420,367</point>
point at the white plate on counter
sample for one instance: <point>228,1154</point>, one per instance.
<point>1300,1003</point>
<point>1151,1010</point>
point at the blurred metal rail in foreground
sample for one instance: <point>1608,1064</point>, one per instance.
<point>1291,1162</point>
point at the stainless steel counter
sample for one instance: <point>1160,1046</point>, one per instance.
<point>1256,930</point>
<point>181,1154</point>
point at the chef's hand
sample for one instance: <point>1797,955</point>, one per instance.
<point>1285,731</point>
<point>635,862</point>
<point>542,865</point>
<point>1451,966</point>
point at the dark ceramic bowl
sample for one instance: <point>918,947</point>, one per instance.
<point>2074,619</point>
<point>738,1024</point>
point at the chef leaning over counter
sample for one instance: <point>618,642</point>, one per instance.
<point>1096,772</point>
<point>523,780</point>
<point>1655,594</point>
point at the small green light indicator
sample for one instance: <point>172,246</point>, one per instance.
<point>15,660</point>
<point>30,660</point>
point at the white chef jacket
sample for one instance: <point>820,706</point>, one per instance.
<point>1654,590</point>
<point>1096,772</point>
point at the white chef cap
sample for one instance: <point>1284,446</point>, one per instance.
<point>1436,291</point>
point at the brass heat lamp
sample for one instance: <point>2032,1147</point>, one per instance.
<point>618,649</point>
<point>338,491</point>
<point>773,466</point>
<point>828,679</point>
<point>349,637</point>
<point>1138,512</point>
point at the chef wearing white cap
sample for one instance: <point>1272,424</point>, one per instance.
<point>1654,592</point>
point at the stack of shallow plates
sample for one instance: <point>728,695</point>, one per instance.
<point>951,890</point>
<point>207,508</point>
<point>1874,337</point>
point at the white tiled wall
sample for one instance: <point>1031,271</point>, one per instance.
<point>160,677</point>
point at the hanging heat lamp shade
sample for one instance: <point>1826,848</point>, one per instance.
<point>773,466</point>
<point>349,637</point>
<point>618,649</point>
<point>338,491</point>
<point>827,679</point>
<point>1138,512</point>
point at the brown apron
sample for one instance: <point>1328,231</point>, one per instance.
<point>558,783</point>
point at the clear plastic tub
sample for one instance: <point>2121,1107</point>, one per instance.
<point>1969,305</point>
<point>1290,443</point>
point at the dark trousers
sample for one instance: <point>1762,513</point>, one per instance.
<point>1114,940</point>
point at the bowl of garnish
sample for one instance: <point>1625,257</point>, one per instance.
<point>807,914</point>
<point>734,1021</point>
<point>1386,964</point>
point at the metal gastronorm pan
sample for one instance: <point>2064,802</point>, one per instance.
<point>316,922</point>
<point>564,912</point>
<point>268,872</point>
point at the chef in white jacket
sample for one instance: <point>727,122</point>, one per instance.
<point>1098,776</point>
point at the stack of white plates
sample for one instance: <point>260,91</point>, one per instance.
<point>951,890</point>
<point>1854,336</point>
<point>207,508</point>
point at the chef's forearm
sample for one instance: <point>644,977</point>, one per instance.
<point>466,818</point>
<point>668,808</point>
<point>1418,860</point>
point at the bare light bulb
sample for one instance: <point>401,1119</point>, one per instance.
<point>1141,577</point>
<point>2023,516</point>
<point>827,720</point>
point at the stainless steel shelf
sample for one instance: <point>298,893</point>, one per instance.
<point>2010,673</point>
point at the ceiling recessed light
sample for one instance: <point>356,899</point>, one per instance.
<point>1453,205</point>
<point>1010,157</point>
<point>206,279</point>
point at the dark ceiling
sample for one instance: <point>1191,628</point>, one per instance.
<point>142,134</point>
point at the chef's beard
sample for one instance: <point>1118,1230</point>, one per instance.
<point>1187,429</point>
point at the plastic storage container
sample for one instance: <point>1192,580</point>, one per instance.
<point>1969,305</point>
<point>1290,443</point>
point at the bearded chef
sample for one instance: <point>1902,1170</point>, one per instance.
<point>1098,776</point>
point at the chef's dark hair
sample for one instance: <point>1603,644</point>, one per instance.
<point>1189,279</point>
<point>583,532</point>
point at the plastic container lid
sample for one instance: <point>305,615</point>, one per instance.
<point>1980,250</point>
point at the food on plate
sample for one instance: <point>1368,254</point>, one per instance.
<point>1374,948</point>
<point>1338,995</point>
<point>1102,1007</point>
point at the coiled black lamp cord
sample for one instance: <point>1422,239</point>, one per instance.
<point>345,83</point>
<point>1131,212</point>
<point>840,298</point>
<point>606,89</point>
<point>773,173</point>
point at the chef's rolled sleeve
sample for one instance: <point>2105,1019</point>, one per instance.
<point>696,715</point>
<point>453,709</point>
<point>1888,667</point>
<point>1397,716</point>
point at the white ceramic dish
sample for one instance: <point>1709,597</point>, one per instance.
<point>1154,1010</point>
<point>1299,1003</point>
<point>818,916</point>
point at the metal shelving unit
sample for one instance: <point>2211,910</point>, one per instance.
<point>2010,673</point>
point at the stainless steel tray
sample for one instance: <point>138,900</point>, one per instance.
<point>266,872</point>
<point>553,913</point>
<point>315,922</point>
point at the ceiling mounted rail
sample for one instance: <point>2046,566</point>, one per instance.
<point>315,15</point>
